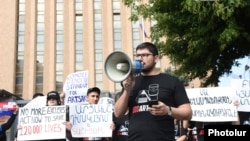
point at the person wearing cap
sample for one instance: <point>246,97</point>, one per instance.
<point>93,96</point>
<point>53,98</point>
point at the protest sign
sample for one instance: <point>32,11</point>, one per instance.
<point>37,102</point>
<point>90,120</point>
<point>45,122</point>
<point>242,91</point>
<point>212,104</point>
<point>106,100</point>
<point>75,88</point>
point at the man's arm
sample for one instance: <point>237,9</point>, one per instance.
<point>182,112</point>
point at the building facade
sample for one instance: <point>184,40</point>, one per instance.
<point>43,41</point>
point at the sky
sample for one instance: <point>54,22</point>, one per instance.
<point>236,71</point>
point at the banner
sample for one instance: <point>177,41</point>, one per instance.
<point>215,104</point>
<point>91,120</point>
<point>242,91</point>
<point>75,88</point>
<point>37,102</point>
<point>38,123</point>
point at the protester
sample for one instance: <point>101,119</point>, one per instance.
<point>5,126</point>
<point>93,96</point>
<point>152,86</point>
<point>33,97</point>
<point>197,127</point>
<point>53,99</point>
<point>181,130</point>
<point>120,133</point>
<point>191,131</point>
<point>37,94</point>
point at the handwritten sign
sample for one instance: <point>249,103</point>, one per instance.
<point>42,123</point>
<point>37,102</point>
<point>242,90</point>
<point>91,120</point>
<point>212,104</point>
<point>106,100</point>
<point>75,88</point>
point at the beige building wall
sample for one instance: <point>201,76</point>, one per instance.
<point>88,38</point>
<point>8,43</point>
<point>30,40</point>
<point>108,37</point>
<point>49,65</point>
<point>131,35</point>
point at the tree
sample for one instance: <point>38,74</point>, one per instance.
<point>203,37</point>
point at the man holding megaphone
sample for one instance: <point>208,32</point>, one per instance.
<point>154,99</point>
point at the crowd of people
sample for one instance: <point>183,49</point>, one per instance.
<point>152,106</point>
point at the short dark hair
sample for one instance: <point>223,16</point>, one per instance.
<point>147,45</point>
<point>94,89</point>
<point>37,94</point>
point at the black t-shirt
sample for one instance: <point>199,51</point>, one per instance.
<point>121,128</point>
<point>144,126</point>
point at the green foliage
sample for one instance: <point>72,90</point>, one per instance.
<point>199,35</point>
<point>185,81</point>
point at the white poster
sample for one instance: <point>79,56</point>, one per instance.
<point>213,104</point>
<point>91,120</point>
<point>38,123</point>
<point>242,91</point>
<point>75,88</point>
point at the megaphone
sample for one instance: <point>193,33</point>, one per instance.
<point>118,66</point>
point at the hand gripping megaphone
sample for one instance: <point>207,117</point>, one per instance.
<point>118,66</point>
